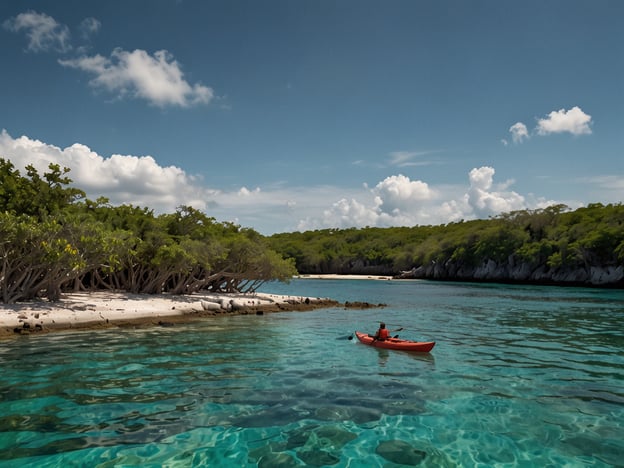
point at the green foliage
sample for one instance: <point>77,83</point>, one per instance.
<point>37,256</point>
<point>53,239</point>
<point>552,237</point>
<point>35,195</point>
<point>535,253</point>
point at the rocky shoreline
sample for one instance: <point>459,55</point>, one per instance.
<point>98,310</point>
<point>521,273</point>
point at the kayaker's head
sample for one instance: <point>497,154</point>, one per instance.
<point>382,325</point>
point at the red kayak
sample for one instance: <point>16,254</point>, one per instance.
<point>395,343</point>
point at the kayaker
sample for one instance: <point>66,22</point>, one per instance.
<point>382,333</point>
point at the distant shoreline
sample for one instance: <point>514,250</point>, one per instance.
<point>346,277</point>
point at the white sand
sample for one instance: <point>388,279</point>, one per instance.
<point>102,309</point>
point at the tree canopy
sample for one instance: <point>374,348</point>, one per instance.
<point>54,239</point>
<point>547,239</point>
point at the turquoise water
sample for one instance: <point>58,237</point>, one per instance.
<point>520,376</point>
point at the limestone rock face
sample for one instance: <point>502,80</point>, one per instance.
<point>519,272</point>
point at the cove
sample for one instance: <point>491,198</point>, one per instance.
<point>520,376</point>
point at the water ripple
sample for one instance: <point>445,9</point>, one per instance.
<point>519,376</point>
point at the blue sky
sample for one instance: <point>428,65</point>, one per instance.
<point>294,115</point>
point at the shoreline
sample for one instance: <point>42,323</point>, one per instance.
<point>346,277</point>
<point>104,309</point>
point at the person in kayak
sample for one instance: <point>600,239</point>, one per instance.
<point>383,333</point>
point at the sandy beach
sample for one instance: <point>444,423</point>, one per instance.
<point>104,309</point>
<point>110,309</point>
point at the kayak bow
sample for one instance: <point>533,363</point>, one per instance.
<point>395,343</point>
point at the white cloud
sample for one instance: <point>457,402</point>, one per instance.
<point>484,201</point>
<point>399,201</point>
<point>406,158</point>
<point>394,201</point>
<point>141,181</point>
<point>399,193</point>
<point>573,121</point>
<point>400,158</point>
<point>43,32</point>
<point>245,192</point>
<point>89,26</point>
<point>158,79</point>
<point>349,212</point>
<point>519,132</point>
<point>123,179</point>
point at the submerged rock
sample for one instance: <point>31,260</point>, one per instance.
<point>318,457</point>
<point>320,437</point>
<point>334,436</point>
<point>399,451</point>
<point>277,460</point>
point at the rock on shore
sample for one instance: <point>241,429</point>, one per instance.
<point>107,309</point>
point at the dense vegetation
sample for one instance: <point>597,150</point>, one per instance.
<point>53,239</point>
<point>549,241</point>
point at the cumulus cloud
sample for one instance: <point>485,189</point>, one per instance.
<point>573,121</point>
<point>399,201</point>
<point>485,200</point>
<point>346,213</point>
<point>141,181</point>
<point>43,32</point>
<point>399,193</point>
<point>156,78</point>
<point>519,132</point>
<point>137,180</point>
<point>396,200</point>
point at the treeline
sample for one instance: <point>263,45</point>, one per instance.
<point>53,239</point>
<point>546,245</point>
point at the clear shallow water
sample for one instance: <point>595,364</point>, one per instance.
<point>520,376</point>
